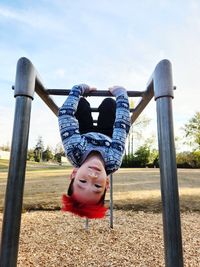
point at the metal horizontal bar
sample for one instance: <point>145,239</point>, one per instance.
<point>94,93</point>
<point>40,90</point>
<point>149,93</point>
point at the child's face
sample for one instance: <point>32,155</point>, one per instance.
<point>90,181</point>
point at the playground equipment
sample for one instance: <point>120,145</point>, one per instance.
<point>161,87</point>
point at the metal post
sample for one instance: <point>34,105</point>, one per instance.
<point>27,81</point>
<point>15,184</point>
<point>111,201</point>
<point>132,93</point>
<point>16,174</point>
<point>86,224</point>
<point>169,186</point>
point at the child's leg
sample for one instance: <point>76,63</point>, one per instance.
<point>84,116</point>
<point>106,116</point>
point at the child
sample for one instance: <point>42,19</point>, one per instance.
<point>95,152</point>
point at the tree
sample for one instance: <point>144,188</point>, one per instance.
<point>154,158</point>
<point>31,155</point>
<point>47,154</point>
<point>59,152</point>
<point>188,159</point>
<point>59,148</point>
<point>192,130</point>
<point>5,147</point>
<point>141,156</point>
<point>39,148</point>
<point>136,132</point>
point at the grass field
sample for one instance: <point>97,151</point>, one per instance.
<point>134,189</point>
<point>52,238</point>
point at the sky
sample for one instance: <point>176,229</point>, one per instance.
<point>101,43</point>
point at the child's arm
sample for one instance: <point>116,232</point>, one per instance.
<point>122,120</point>
<point>69,126</point>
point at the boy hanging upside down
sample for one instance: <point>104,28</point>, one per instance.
<point>94,151</point>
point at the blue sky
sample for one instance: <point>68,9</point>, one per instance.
<point>101,43</point>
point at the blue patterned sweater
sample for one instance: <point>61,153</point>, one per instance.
<point>77,146</point>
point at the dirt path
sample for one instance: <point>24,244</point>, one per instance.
<point>60,240</point>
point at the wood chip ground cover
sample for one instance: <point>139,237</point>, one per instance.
<point>56,239</point>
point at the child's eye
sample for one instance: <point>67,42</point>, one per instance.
<point>98,186</point>
<point>82,181</point>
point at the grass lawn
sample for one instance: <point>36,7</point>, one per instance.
<point>134,189</point>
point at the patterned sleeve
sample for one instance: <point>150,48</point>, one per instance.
<point>121,125</point>
<point>69,127</point>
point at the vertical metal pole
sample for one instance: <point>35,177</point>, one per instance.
<point>168,171</point>
<point>111,201</point>
<point>16,174</point>
<point>86,224</point>
<point>15,184</point>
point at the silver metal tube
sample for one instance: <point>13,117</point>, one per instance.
<point>15,183</point>
<point>41,91</point>
<point>146,98</point>
<point>168,171</point>
<point>160,85</point>
<point>111,201</point>
<point>94,93</point>
<point>169,184</point>
<point>28,82</point>
<point>86,224</point>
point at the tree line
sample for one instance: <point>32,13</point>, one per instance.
<point>39,153</point>
<point>146,155</point>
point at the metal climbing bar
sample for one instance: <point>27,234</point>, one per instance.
<point>27,83</point>
<point>41,91</point>
<point>163,94</point>
<point>146,98</point>
<point>160,86</point>
<point>111,201</point>
<point>94,93</point>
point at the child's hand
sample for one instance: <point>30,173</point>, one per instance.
<point>86,88</point>
<point>117,90</point>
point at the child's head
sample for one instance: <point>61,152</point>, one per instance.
<point>87,188</point>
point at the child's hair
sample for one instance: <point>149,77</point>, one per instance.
<point>70,204</point>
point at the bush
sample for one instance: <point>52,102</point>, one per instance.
<point>30,155</point>
<point>47,155</point>
<point>139,160</point>
<point>188,159</point>
<point>144,158</point>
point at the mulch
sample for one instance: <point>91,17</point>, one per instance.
<point>56,239</point>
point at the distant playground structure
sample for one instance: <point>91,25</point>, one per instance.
<point>159,86</point>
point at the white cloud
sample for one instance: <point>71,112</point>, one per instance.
<point>33,18</point>
<point>60,73</point>
<point>43,123</point>
<point>6,124</point>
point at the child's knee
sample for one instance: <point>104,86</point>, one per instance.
<point>83,102</point>
<point>108,103</point>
